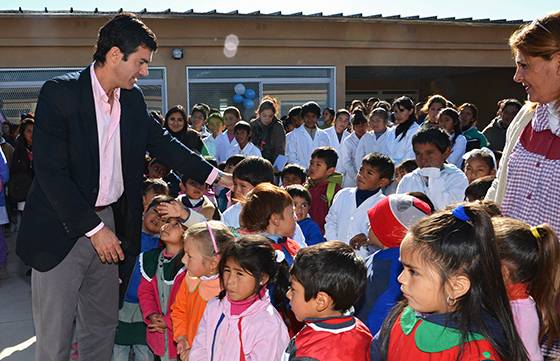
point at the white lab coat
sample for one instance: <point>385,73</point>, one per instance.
<point>249,150</point>
<point>443,187</point>
<point>457,151</point>
<point>370,144</point>
<point>223,147</point>
<point>218,145</point>
<point>299,145</point>
<point>344,219</point>
<point>347,155</point>
<point>333,142</point>
<point>400,148</point>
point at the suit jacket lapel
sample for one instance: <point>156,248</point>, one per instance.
<point>87,114</point>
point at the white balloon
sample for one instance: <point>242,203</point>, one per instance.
<point>239,89</point>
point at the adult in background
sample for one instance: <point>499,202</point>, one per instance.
<point>21,169</point>
<point>495,132</point>
<point>84,209</point>
<point>527,185</point>
<point>267,132</point>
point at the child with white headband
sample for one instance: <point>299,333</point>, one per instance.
<point>204,246</point>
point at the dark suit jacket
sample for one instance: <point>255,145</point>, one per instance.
<point>60,206</point>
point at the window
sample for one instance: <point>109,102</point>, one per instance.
<point>292,86</point>
<point>19,89</point>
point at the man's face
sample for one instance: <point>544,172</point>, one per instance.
<point>127,72</point>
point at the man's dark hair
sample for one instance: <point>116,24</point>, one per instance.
<point>294,169</point>
<point>294,111</point>
<point>327,154</point>
<point>435,136</point>
<point>254,170</point>
<point>125,31</point>
<point>382,164</point>
<point>297,190</point>
<point>310,107</point>
<point>331,267</point>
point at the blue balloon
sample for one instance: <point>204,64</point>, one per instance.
<point>238,99</point>
<point>239,89</point>
<point>248,103</point>
<point>250,94</point>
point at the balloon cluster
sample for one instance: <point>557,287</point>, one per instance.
<point>244,95</point>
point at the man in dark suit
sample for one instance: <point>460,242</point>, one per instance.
<point>84,209</point>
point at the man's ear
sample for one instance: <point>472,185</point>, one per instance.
<point>114,55</point>
<point>323,302</point>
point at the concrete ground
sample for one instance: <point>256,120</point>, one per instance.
<point>16,322</point>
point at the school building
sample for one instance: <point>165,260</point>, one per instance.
<point>330,59</point>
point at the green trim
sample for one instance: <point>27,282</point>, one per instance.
<point>431,337</point>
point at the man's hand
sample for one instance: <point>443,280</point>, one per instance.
<point>107,246</point>
<point>225,180</point>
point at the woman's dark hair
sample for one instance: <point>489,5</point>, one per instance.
<point>176,109</point>
<point>454,115</point>
<point>254,253</point>
<point>465,247</point>
<point>23,126</point>
<point>266,104</point>
<point>404,102</point>
<point>125,31</point>
<point>535,261</point>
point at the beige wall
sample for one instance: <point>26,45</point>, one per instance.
<point>49,40</point>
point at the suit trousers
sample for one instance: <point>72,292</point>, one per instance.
<point>80,289</point>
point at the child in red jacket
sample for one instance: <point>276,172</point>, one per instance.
<point>323,183</point>
<point>326,280</point>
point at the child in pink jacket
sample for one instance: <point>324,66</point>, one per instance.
<point>162,274</point>
<point>242,324</point>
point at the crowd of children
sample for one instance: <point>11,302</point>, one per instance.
<point>366,240</point>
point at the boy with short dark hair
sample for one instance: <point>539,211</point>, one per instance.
<point>348,215</point>
<point>323,183</point>
<point>302,202</point>
<point>326,280</point>
<point>244,146</point>
<point>301,141</point>
<point>293,174</point>
<point>443,183</point>
<point>152,188</point>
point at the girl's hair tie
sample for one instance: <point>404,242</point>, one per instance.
<point>459,213</point>
<point>536,233</point>
<point>279,256</point>
<point>213,238</point>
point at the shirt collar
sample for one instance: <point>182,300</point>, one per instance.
<point>98,90</point>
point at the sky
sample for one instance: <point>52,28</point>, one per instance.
<point>478,9</point>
